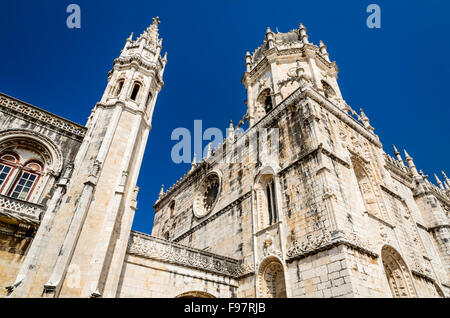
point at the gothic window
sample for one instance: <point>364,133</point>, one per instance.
<point>8,163</point>
<point>25,183</point>
<point>271,206</point>
<point>268,104</point>
<point>119,87</point>
<point>328,90</point>
<point>265,100</point>
<point>397,274</point>
<point>266,201</point>
<point>135,91</point>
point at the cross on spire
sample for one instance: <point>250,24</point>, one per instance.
<point>156,20</point>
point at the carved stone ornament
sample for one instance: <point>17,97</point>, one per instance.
<point>206,195</point>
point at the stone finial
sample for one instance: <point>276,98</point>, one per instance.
<point>398,156</point>
<point>323,50</point>
<point>441,186</point>
<point>248,61</point>
<point>411,165</point>
<point>269,37</point>
<point>407,157</point>
<point>231,132</point>
<point>303,35</point>
<point>208,152</point>
<point>445,178</point>
<point>194,163</point>
<point>161,193</point>
<point>365,120</point>
<point>395,150</point>
<point>130,38</point>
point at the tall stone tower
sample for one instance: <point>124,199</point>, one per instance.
<point>79,248</point>
<point>288,59</point>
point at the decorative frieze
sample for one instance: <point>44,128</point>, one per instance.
<point>325,240</point>
<point>37,114</point>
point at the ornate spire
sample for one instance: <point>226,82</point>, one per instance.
<point>151,34</point>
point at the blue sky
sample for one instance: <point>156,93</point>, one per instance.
<point>398,74</point>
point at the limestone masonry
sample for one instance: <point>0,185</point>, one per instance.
<point>326,212</point>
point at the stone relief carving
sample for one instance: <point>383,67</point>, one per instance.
<point>154,248</point>
<point>43,116</point>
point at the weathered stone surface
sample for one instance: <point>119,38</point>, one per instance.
<point>316,210</point>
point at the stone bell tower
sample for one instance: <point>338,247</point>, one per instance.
<point>80,245</point>
<point>276,68</point>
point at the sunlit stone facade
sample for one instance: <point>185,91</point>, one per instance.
<point>320,211</point>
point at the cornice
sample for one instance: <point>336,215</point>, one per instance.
<point>37,115</point>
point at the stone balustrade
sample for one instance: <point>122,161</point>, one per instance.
<point>20,209</point>
<point>154,248</point>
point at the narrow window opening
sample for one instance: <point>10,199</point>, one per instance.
<point>149,99</point>
<point>268,104</point>
<point>135,91</point>
<point>119,88</point>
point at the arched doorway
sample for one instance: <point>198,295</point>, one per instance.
<point>195,294</point>
<point>271,279</point>
<point>397,274</point>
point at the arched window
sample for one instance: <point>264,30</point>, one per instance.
<point>271,200</point>
<point>266,201</point>
<point>28,178</point>
<point>265,100</point>
<point>119,87</point>
<point>328,90</point>
<point>135,91</point>
<point>8,162</point>
<point>268,104</point>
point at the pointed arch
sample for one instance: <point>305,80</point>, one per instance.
<point>397,273</point>
<point>271,279</point>
<point>265,100</point>
<point>267,212</point>
<point>328,90</point>
<point>195,294</point>
<point>366,187</point>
